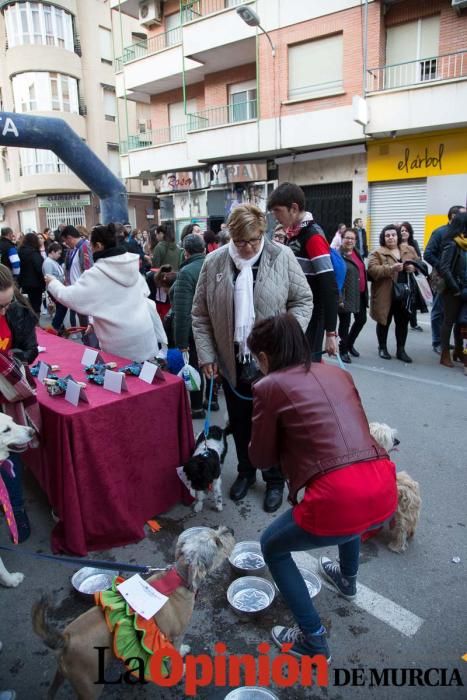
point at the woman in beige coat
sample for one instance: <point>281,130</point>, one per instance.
<point>240,283</point>
<point>388,264</point>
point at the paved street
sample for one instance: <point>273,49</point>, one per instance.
<point>411,610</point>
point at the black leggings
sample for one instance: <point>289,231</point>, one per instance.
<point>401,320</point>
<point>452,307</point>
<point>347,339</point>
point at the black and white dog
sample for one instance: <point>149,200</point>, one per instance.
<point>203,469</point>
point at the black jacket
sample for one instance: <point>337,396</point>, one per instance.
<point>31,260</point>
<point>22,322</point>
<point>5,246</point>
<point>349,301</point>
<point>453,266</point>
<point>435,244</point>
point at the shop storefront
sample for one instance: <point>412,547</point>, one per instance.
<point>416,179</point>
<point>183,199</point>
<point>68,208</point>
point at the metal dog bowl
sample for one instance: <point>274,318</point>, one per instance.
<point>247,559</point>
<point>313,582</point>
<point>250,595</point>
<point>88,581</point>
<point>252,692</point>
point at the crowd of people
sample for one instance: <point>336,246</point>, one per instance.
<point>254,314</point>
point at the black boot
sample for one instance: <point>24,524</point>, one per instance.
<point>383,353</point>
<point>402,355</point>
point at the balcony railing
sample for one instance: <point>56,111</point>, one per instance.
<point>155,137</point>
<point>194,9</point>
<point>152,45</point>
<point>221,116</point>
<point>424,70</point>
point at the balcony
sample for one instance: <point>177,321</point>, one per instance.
<point>412,96</point>
<point>156,137</point>
<point>151,46</point>
<point>417,73</point>
<point>194,9</point>
<point>223,116</point>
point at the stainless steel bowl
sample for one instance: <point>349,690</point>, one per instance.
<point>250,595</point>
<point>88,581</point>
<point>313,582</point>
<point>252,692</point>
<point>246,559</point>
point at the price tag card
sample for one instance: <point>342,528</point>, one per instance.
<point>43,372</point>
<point>143,598</point>
<point>115,381</point>
<point>73,391</point>
<point>148,372</point>
<point>90,357</point>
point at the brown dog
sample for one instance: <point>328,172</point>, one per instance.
<point>196,555</point>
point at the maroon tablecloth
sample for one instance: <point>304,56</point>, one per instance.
<point>110,465</point>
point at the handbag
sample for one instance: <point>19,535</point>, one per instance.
<point>424,289</point>
<point>400,292</point>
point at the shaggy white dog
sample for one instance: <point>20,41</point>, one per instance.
<point>404,523</point>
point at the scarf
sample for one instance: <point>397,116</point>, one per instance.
<point>461,242</point>
<point>18,395</point>
<point>296,228</point>
<point>243,299</point>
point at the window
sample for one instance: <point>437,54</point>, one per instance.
<point>110,104</point>
<point>35,161</point>
<point>5,164</point>
<point>27,220</point>
<point>113,158</point>
<point>35,23</point>
<point>411,51</point>
<point>315,68</point>
<point>45,92</point>
<point>105,41</point>
<point>242,101</point>
<point>177,118</point>
<point>173,29</point>
<point>75,216</point>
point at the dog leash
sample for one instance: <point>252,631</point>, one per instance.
<point>207,422</point>
<point>95,563</point>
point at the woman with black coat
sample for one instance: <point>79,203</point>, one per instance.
<point>408,237</point>
<point>453,270</point>
<point>354,296</point>
<point>31,278</point>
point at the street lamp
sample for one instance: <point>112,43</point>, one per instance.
<point>250,17</point>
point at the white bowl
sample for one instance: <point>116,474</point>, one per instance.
<point>252,692</point>
<point>87,581</point>
<point>250,595</point>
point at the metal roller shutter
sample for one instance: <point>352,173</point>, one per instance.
<point>394,202</point>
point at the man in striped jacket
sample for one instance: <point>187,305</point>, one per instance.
<point>307,241</point>
<point>8,252</point>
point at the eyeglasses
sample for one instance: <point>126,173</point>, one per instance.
<point>251,242</point>
<point>9,303</point>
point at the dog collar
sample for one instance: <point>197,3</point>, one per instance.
<point>169,582</point>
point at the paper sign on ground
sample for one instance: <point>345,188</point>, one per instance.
<point>43,372</point>
<point>143,598</point>
<point>72,393</point>
<point>115,381</point>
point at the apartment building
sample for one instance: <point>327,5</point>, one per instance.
<point>56,59</point>
<point>361,103</point>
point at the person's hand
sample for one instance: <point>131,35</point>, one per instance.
<point>398,267</point>
<point>410,268</point>
<point>187,350</point>
<point>330,344</point>
<point>89,329</point>
<point>48,279</point>
<point>210,370</point>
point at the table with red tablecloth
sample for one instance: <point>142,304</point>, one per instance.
<point>109,465</point>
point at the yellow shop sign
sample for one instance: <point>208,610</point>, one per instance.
<point>420,156</point>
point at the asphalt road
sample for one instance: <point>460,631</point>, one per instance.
<point>411,611</point>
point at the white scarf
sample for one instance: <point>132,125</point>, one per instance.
<point>243,299</point>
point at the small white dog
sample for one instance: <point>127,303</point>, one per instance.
<point>404,523</point>
<point>11,436</point>
<point>203,469</point>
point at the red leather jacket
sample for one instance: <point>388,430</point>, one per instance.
<point>309,423</point>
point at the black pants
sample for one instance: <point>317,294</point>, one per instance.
<point>348,338</point>
<point>35,298</point>
<point>240,414</point>
<point>401,320</point>
<point>315,332</point>
<point>452,307</point>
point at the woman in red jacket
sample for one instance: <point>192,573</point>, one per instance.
<point>309,419</point>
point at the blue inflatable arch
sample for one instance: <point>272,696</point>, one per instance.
<point>48,133</point>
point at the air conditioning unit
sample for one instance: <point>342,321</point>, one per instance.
<point>150,12</point>
<point>459,4</point>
